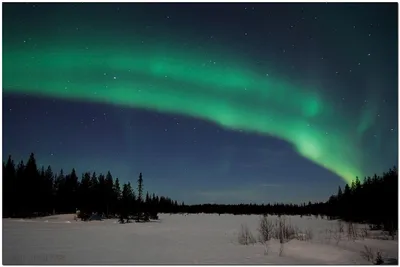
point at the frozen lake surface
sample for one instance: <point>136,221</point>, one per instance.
<point>178,239</point>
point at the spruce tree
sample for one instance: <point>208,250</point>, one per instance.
<point>10,187</point>
<point>117,196</point>
<point>140,188</point>
<point>357,184</point>
<point>84,196</point>
<point>94,189</point>
<point>140,197</point>
<point>32,182</point>
<point>102,194</point>
<point>49,187</point>
<point>109,193</point>
<point>339,194</point>
<point>125,200</point>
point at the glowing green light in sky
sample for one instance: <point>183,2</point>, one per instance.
<point>224,91</point>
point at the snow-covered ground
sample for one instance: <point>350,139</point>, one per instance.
<point>177,239</point>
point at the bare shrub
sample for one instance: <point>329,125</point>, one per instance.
<point>337,236</point>
<point>363,233</point>
<point>281,250</point>
<point>340,226</point>
<point>284,231</point>
<point>265,229</point>
<point>266,248</point>
<point>351,231</point>
<point>367,254</point>
<point>245,236</point>
<point>390,229</point>
<point>378,259</point>
<point>308,235</point>
<point>373,227</point>
<point>328,235</point>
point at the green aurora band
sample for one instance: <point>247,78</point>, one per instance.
<point>227,92</point>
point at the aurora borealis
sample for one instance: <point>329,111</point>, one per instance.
<point>344,119</point>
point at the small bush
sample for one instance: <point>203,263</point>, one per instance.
<point>369,255</point>
<point>375,227</point>
<point>364,233</point>
<point>146,217</point>
<point>309,234</point>
<point>265,229</point>
<point>351,231</point>
<point>84,216</point>
<point>245,236</point>
<point>121,219</point>
<point>154,216</point>
<point>306,236</point>
<point>340,226</point>
<point>284,231</point>
<point>390,229</point>
<point>281,250</point>
<point>336,234</point>
<point>378,259</point>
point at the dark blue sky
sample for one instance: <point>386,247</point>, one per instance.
<point>348,51</point>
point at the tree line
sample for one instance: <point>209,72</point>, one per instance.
<point>29,191</point>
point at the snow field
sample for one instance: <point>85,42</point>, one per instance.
<point>178,239</point>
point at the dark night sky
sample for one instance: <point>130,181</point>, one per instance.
<point>212,102</point>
